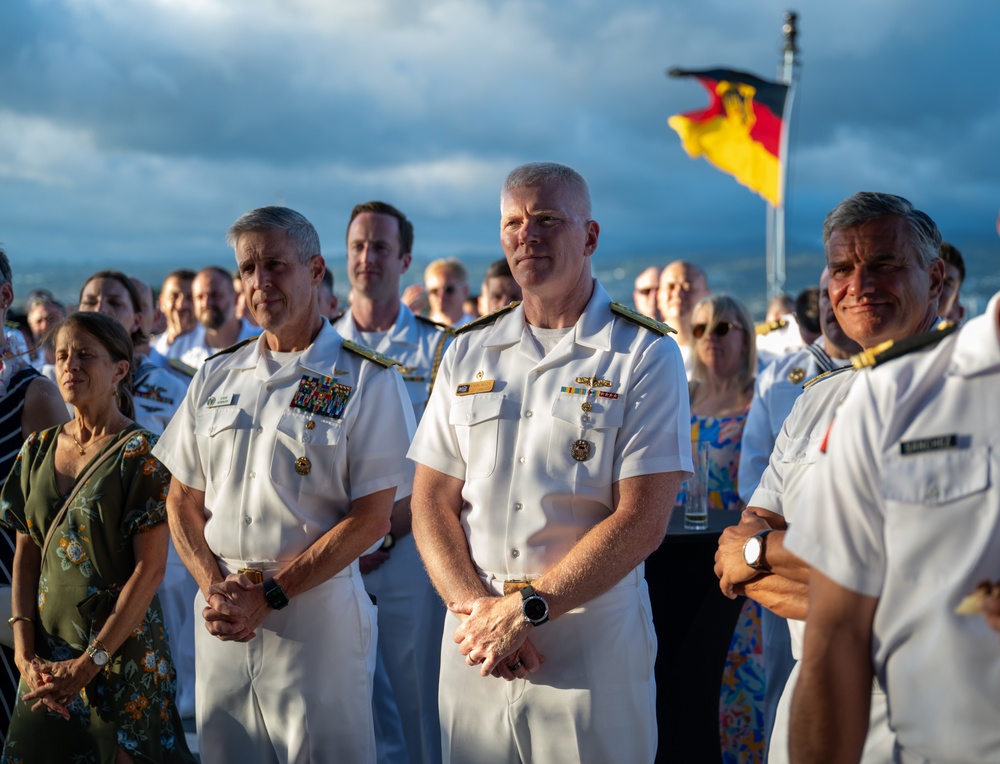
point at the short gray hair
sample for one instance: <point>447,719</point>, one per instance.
<point>537,173</point>
<point>866,206</point>
<point>300,231</point>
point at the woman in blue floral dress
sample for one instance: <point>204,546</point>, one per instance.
<point>97,684</point>
<point>721,390</point>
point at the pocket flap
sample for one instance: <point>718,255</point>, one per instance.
<point>474,409</point>
<point>936,478</point>
<point>603,414</point>
<point>303,428</point>
<point>213,421</point>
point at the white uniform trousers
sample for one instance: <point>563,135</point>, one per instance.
<point>177,592</point>
<point>593,701</point>
<point>878,744</point>
<point>299,692</point>
<point>410,618</point>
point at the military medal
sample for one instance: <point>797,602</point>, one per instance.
<point>322,396</point>
<point>310,425</point>
<point>581,450</point>
<point>303,466</point>
<point>587,406</point>
<point>593,381</point>
<point>796,375</point>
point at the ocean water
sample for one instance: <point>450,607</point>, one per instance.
<point>744,277</point>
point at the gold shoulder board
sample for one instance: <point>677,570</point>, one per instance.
<point>889,349</point>
<point>178,365</point>
<point>637,318</point>
<point>767,327</point>
<point>826,375</point>
<point>372,355</point>
<point>436,324</point>
<point>488,319</point>
<point>224,351</point>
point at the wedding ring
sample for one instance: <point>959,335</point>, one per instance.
<point>516,666</point>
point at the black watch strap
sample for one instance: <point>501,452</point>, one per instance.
<point>274,594</point>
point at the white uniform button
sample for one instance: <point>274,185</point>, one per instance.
<point>802,454</point>
<point>529,413</point>
<point>514,553</point>
<point>519,506</point>
<point>260,430</point>
<point>211,429</point>
<point>252,474</point>
<point>522,460</point>
<point>249,519</point>
<point>468,416</point>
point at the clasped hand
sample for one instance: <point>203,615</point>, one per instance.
<point>494,634</point>
<point>730,567</point>
<point>55,685</point>
<point>236,607</point>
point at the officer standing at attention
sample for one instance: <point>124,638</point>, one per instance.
<point>549,458</point>
<point>410,614</point>
<point>906,526</point>
<point>286,457</point>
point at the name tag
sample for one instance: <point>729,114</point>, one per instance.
<point>229,399</point>
<point>471,388</point>
<point>938,443</point>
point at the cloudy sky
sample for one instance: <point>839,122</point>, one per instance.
<point>135,131</point>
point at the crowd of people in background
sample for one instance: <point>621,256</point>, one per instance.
<point>310,568</point>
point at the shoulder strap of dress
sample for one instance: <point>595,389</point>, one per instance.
<point>81,482</point>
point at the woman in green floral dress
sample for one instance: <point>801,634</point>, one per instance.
<point>97,683</point>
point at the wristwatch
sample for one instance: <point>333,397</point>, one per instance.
<point>388,542</point>
<point>753,551</point>
<point>274,594</point>
<point>98,654</point>
<point>535,609</point>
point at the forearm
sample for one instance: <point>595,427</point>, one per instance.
<point>367,522</point>
<point>186,515</point>
<point>783,563</point>
<point>613,547</point>
<point>782,596</point>
<point>24,595</point>
<point>437,503</point>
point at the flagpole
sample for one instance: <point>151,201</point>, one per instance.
<point>776,215</point>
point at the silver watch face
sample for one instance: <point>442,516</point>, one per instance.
<point>751,551</point>
<point>99,657</point>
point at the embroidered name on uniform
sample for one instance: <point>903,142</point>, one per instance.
<point>322,396</point>
<point>939,443</point>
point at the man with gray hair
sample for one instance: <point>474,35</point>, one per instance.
<point>548,460</point>
<point>885,279</point>
<point>286,456</point>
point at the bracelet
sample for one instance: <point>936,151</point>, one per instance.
<point>100,645</point>
<point>15,618</point>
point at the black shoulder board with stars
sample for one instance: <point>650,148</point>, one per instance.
<point>637,318</point>
<point>372,355</point>
<point>889,350</point>
<point>826,375</point>
<point>178,365</point>
<point>488,319</point>
<point>230,349</point>
<point>435,324</point>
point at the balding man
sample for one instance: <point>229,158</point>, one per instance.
<point>682,285</point>
<point>644,292</point>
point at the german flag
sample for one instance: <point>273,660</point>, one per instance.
<point>740,131</point>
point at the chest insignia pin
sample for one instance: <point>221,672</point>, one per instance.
<point>796,375</point>
<point>303,466</point>
<point>581,450</point>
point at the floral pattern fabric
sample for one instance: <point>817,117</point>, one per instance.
<point>741,703</point>
<point>723,436</point>
<point>86,565</point>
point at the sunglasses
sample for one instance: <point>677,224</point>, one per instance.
<point>721,329</point>
<point>449,289</point>
<point>645,292</point>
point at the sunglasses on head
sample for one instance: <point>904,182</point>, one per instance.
<point>721,329</point>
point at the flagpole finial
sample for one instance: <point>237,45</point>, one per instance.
<point>791,31</point>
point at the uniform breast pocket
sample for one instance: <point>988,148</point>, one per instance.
<point>476,419</point>
<point>927,497</point>
<point>217,430</point>
<point>305,452</point>
<point>582,443</point>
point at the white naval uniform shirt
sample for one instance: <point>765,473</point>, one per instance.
<point>192,349</point>
<point>413,341</point>
<point>775,392</point>
<point>527,501</point>
<point>238,438</point>
<point>908,511</point>
<point>156,396</point>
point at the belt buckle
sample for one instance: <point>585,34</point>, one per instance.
<point>255,575</point>
<point>514,585</point>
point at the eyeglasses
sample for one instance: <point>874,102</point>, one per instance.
<point>645,292</point>
<point>721,329</point>
<point>449,289</point>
